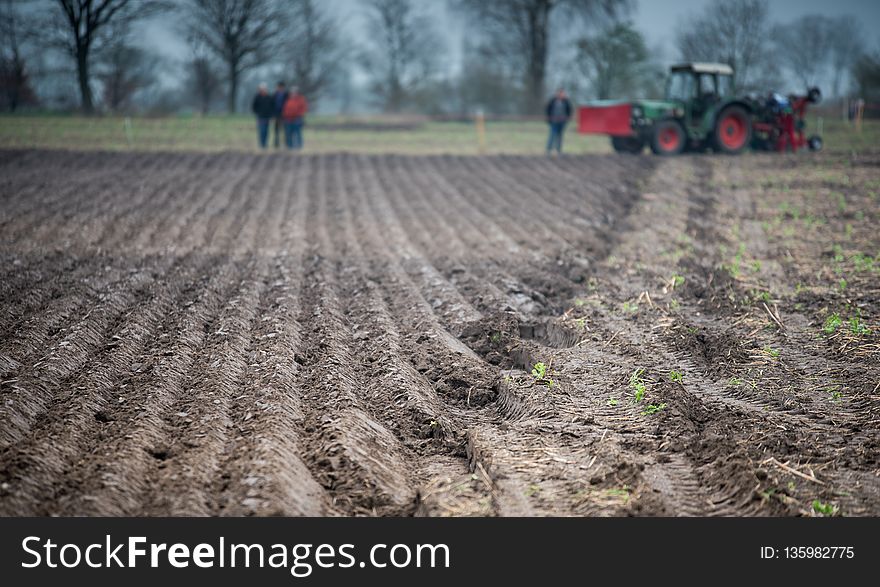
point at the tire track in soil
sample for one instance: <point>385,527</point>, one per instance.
<point>813,416</point>
<point>528,353</point>
<point>713,411</point>
<point>509,486</point>
<point>690,478</point>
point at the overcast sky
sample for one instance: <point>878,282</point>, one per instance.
<point>656,19</point>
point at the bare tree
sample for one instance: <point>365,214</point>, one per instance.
<point>14,79</point>
<point>402,51</point>
<point>522,30</point>
<point>616,61</point>
<point>866,76</point>
<point>238,32</point>
<point>488,82</point>
<point>79,30</point>
<point>205,81</point>
<point>846,43</point>
<point>803,47</point>
<point>124,70</point>
<point>729,31</point>
<point>312,41</point>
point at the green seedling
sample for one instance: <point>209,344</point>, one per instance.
<point>674,305</point>
<point>541,372</point>
<point>612,401</point>
<point>622,492</point>
<point>735,381</point>
<point>832,323</point>
<point>630,307</point>
<point>653,409</point>
<point>676,376</point>
<point>677,280</point>
<point>734,267</point>
<point>771,351</point>
<point>826,509</point>
<point>857,327</point>
<point>581,323</point>
<point>866,262</point>
<point>637,384</point>
<point>835,393</point>
<point>495,338</point>
<point>756,266</point>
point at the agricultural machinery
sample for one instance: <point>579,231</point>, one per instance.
<point>701,112</point>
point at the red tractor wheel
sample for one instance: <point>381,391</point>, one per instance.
<point>733,130</point>
<point>669,138</point>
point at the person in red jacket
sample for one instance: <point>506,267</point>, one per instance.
<point>293,114</point>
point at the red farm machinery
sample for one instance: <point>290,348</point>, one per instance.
<point>700,112</point>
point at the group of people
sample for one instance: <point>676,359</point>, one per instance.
<point>286,108</point>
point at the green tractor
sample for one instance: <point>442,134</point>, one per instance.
<point>700,111</point>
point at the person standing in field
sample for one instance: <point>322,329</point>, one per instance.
<point>280,98</point>
<point>293,113</point>
<point>558,112</point>
<point>264,109</point>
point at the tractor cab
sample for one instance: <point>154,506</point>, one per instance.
<point>698,88</point>
<point>699,111</point>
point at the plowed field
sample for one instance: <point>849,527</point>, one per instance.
<point>235,334</point>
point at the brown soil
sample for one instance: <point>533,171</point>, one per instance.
<point>239,334</point>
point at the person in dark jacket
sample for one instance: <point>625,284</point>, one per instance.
<point>264,109</point>
<point>280,98</point>
<point>558,112</point>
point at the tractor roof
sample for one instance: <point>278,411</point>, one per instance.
<point>719,68</point>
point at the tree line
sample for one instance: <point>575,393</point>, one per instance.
<point>514,50</point>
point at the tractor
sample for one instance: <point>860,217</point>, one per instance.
<point>700,112</point>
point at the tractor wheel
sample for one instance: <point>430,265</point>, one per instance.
<point>669,138</point>
<point>815,143</point>
<point>631,145</point>
<point>733,130</point>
